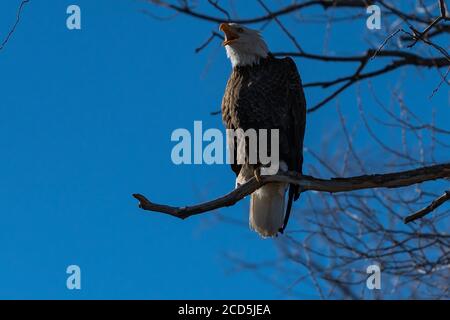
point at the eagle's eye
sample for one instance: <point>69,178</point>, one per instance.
<point>240,30</point>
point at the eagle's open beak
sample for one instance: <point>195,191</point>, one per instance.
<point>230,35</point>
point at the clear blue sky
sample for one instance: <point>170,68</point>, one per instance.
<point>85,121</point>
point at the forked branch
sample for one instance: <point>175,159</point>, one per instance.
<point>308,183</point>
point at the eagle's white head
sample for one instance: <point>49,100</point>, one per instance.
<point>244,46</point>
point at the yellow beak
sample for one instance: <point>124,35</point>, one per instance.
<point>230,34</point>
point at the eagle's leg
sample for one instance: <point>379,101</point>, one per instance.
<point>257,174</point>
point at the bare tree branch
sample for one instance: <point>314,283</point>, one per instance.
<point>433,206</point>
<point>421,35</point>
<point>306,183</point>
<point>13,28</point>
<point>285,30</point>
<point>216,5</point>
<point>326,4</point>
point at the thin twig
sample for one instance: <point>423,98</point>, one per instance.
<point>13,28</point>
<point>433,206</point>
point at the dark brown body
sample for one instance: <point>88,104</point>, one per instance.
<point>269,96</point>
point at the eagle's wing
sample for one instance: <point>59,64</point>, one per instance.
<point>297,106</point>
<point>229,116</point>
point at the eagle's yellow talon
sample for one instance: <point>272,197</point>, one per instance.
<point>257,175</point>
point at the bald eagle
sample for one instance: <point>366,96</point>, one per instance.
<point>264,92</point>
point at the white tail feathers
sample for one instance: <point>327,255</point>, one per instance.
<point>267,209</point>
